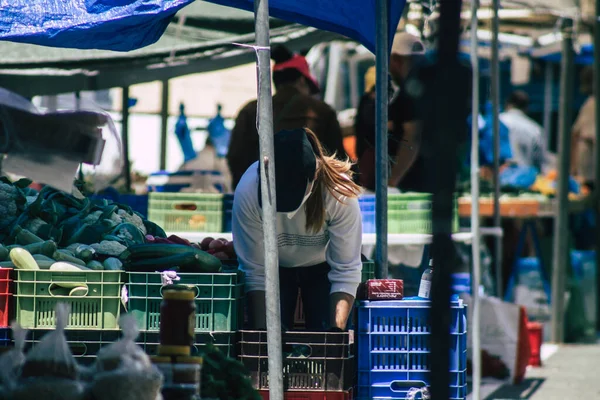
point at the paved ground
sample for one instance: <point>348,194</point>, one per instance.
<point>570,373</point>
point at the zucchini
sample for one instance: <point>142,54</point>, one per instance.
<point>95,265</point>
<point>67,267</point>
<point>186,261</point>
<point>23,259</point>
<point>113,264</point>
<point>3,253</point>
<point>7,264</point>
<point>143,252</point>
<point>42,261</point>
<point>46,248</point>
<point>62,255</point>
<point>85,253</point>
<point>24,237</point>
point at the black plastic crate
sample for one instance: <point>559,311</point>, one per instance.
<point>311,361</point>
<point>224,341</point>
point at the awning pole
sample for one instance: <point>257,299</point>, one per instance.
<point>125,137</point>
<point>561,221</point>
<point>495,94</point>
<point>381,139</point>
<point>164,124</point>
<point>597,112</point>
<point>548,99</point>
<point>475,221</point>
<point>267,180</point>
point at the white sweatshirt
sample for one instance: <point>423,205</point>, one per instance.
<point>338,243</point>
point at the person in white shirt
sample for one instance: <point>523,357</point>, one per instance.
<point>525,135</point>
<point>319,234</point>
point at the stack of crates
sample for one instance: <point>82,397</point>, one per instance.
<point>219,308</point>
<point>93,318</point>
<point>394,349</point>
<point>407,213</point>
<point>5,305</point>
<point>316,365</point>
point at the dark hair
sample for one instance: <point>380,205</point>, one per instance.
<point>587,80</point>
<point>519,99</point>
<point>281,54</point>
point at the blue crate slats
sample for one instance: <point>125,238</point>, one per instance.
<point>394,348</point>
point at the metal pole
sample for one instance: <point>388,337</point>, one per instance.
<point>561,227</point>
<point>164,124</point>
<point>597,113</point>
<point>267,180</point>
<point>381,139</point>
<point>475,226</point>
<point>125,137</point>
<point>78,107</point>
<point>548,98</point>
<point>495,93</point>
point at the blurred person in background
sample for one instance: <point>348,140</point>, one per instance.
<point>404,130</point>
<point>525,135</point>
<point>583,134</point>
<point>294,107</point>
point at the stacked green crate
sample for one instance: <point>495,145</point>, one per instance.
<point>411,213</point>
<point>186,212</point>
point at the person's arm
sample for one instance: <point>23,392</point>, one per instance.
<point>408,150</point>
<point>248,243</point>
<point>344,258</point>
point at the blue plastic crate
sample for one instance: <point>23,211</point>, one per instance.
<point>394,347</point>
<point>5,336</point>
<point>227,212</point>
<point>367,210</point>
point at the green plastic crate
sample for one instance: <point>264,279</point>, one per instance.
<point>224,341</point>
<point>36,306</point>
<point>368,270</point>
<point>411,213</point>
<point>219,300</point>
<point>186,212</point>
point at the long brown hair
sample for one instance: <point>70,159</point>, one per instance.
<point>332,175</point>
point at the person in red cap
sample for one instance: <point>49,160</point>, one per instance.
<point>294,107</point>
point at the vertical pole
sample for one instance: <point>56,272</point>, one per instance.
<point>495,93</point>
<point>164,124</point>
<point>475,228</point>
<point>125,137</point>
<point>381,139</point>
<point>267,180</point>
<point>597,176</point>
<point>78,107</point>
<point>548,98</point>
<point>561,228</point>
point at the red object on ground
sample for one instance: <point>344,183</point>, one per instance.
<point>311,395</point>
<point>535,330</point>
<point>5,296</point>
<point>383,289</point>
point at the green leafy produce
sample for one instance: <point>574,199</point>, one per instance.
<point>224,378</point>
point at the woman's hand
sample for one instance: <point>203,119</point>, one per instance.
<point>341,306</point>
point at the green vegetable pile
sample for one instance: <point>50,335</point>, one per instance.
<point>224,378</point>
<point>54,226</point>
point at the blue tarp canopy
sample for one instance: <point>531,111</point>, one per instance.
<point>583,56</point>
<point>124,25</point>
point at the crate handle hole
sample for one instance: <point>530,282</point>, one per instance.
<point>185,206</point>
<point>402,386</point>
<point>78,349</point>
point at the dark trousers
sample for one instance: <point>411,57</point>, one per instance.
<point>314,286</point>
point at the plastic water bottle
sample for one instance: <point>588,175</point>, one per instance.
<point>426,279</point>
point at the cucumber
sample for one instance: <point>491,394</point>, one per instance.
<point>3,253</point>
<point>7,264</point>
<point>95,265</point>
<point>189,262</point>
<point>113,264</point>
<point>24,237</point>
<point>62,255</point>
<point>46,248</point>
<point>42,261</point>
<point>23,259</point>
<point>151,252</point>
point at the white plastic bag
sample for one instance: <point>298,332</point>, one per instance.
<point>124,371</point>
<point>50,371</point>
<point>12,361</point>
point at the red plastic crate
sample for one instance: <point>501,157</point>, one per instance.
<point>311,395</point>
<point>5,296</point>
<point>535,330</point>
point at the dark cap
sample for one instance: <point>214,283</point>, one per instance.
<point>295,167</point>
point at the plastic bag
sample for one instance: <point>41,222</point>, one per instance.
<point>50,371</point>
<point>12,361</point>
<point>124,371</point>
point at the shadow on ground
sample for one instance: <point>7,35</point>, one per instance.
<point>524,390</point>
